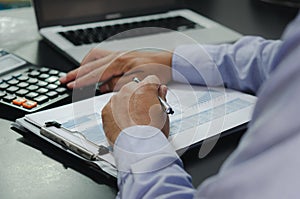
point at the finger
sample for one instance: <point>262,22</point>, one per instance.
<point>151,79</point>
<point>130,87</point>
<point>94,54</point>
<point>117,83</point>
<point>109,86</point>
<point>87,68</point>
<point>162,92</point>
<point>99,74</point>
<point>88,79</point>
<point>70,76</point>
<point>106,121</point>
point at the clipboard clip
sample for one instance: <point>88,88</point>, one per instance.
<point>73,141</point>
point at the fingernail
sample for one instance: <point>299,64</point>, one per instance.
<point>165,90</point>
<point>63,79</point>
<point>70,85</point>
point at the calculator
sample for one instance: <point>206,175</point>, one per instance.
<point>26,88</point>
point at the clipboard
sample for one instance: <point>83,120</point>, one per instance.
<point>67,159</point>
<point>96,157</point>
<point>73,141</point>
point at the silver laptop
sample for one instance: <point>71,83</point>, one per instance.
<point>76,26</point>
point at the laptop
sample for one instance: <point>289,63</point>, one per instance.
<point>74,27</point>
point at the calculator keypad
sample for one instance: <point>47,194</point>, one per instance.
<point>31,88</point>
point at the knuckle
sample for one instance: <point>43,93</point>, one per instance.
<point>94,75</point>
<point>114,98</point>
<point>93,52</point>
<point>154,78</point>
<point>119,59</point>
<point>106,109</point>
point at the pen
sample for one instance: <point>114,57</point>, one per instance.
<point>167,107</point>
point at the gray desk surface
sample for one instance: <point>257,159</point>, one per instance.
<point>26,172</point>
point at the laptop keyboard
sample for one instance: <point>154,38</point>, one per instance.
<point>98,34</point>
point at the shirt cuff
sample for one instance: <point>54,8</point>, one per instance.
<point>146,143</point>
<point>194,64</point>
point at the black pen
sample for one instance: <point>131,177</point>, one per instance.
<point>167,107</point>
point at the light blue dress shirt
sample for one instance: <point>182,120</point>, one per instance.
<point>266,163</point>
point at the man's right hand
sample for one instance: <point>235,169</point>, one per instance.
<point>136,104</point>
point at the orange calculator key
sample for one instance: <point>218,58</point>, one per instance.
<point>19,101</point>
<point>29,104</point>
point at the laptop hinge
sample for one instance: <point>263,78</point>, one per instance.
<point>113,16</point>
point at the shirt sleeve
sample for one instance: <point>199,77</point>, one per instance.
<point>148,166</point>
<point>242,66</point>
<point>266,164</point>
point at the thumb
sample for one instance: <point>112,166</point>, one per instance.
<point>162,91</point>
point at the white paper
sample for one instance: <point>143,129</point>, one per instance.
<point>200,113</point>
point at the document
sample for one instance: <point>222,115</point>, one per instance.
<point>200,113</point>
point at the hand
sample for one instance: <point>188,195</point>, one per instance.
<point>101,65</point>
<point>136,104</point>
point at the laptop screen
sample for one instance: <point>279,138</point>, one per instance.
<point>68,12</point>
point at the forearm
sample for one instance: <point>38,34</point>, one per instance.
<point>243,66</point>
<point>149,168</point>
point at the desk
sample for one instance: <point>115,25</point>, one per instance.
<point>27,173</point>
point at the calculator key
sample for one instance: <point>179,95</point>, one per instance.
<point>41,99</point>
<point>61,90</point>
<point>2,52</point>
<point>31,95</point>
<point>34,73</point>
<point>32,80</point>
<point>9,98</point>
<point>19,101</point>
<point>51,79</point>
<point>29,70</point>
<point>22,92</point>
<point>6,79</point>
<point>52,94</point>
<point>43,76</point>
<point>29,104</point>
<point>23,85</point>
<point>61,74</point>
<point>12,89</point>
<point>23,78</point>
<point>42,84</point>
<point>42,90</point>
<point>13,82</point>
<point>52,86</point>
<point>17,75</point>
<point>44,70</point>
<point>53,72</point>
<point>4,86</point>
<point>2,94</point>
<point>57,83</point>
<point>32,87</point>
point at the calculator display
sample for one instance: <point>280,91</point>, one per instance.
<point>9,62</point>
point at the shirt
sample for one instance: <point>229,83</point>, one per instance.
<point>265,164</point>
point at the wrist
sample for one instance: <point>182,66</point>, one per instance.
<point>164,58</point>
<point>142,142</point>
